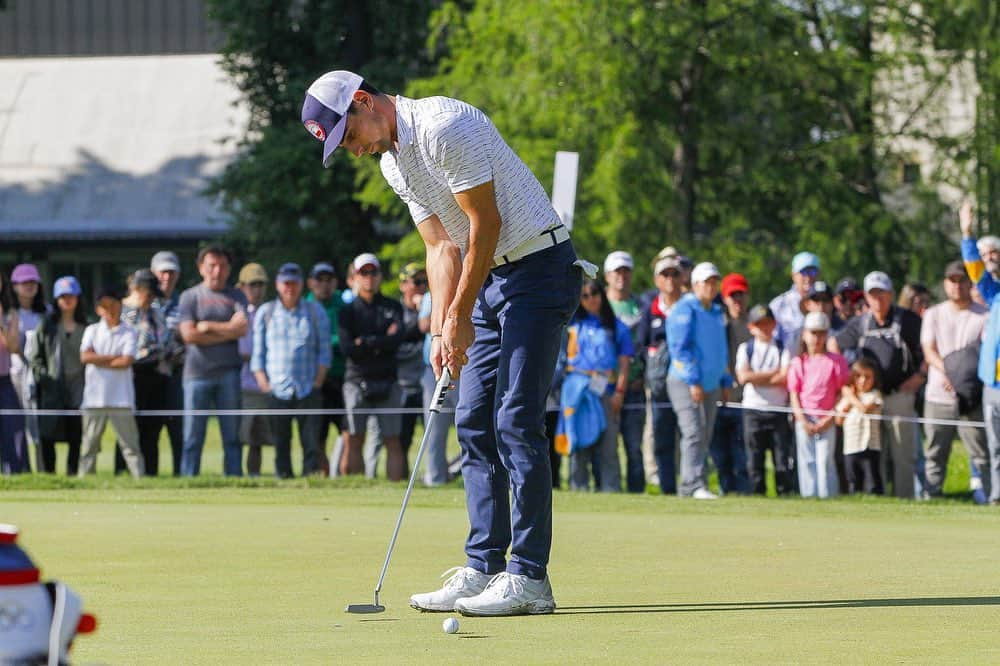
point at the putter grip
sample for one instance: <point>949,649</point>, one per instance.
<point>442,388</point>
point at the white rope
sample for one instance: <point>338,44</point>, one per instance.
<point>418,410</point>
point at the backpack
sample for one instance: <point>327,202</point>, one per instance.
<point>657,367</point>
<point>888,339</point>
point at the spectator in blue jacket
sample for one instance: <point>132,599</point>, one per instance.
<point>698,376</point>
<point>989,353</point>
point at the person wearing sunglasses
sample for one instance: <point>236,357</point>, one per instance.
<point>255,429</point>
<point>789,308</point>
<point>410,355</point>
<point>599,348</point>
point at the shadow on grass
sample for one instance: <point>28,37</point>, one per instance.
<point>781,605</point>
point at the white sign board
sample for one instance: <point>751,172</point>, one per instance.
<point>564,185</point>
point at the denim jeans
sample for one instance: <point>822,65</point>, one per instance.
<point>631,422</point>
<point>519,318</point>
<point>222,393</point>
<point>814,459</point>
<point>665,447</point>
<point>729,452</point>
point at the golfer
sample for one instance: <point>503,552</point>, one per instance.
<point>504,280</point>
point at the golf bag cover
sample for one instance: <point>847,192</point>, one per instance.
<point>38,620</point>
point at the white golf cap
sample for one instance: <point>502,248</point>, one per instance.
<point>324,111</point>
<point>366,259</point>
<point>877,280</point>
<point>667,263</point>
<point>618,259</point>
<point>704,271</point>
<point>816,321</point>
<point>165,261</point>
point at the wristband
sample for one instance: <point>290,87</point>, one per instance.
<point>435,335</point>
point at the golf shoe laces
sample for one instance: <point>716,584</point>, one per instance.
<point>457,578</point>
<point>512,585</point>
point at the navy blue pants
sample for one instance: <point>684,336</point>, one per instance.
<point>519,318</point>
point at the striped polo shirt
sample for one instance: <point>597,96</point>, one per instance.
<point>445,146</point>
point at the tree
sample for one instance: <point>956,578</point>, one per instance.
<point>283,205</point>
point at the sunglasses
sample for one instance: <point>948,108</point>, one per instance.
<point>368,272</point>
<point>673,275</point>
<point>257,285</point>
<point>590,294</point>
<point>420,283</point>
<point>809,271</point>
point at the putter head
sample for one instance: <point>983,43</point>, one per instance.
<point>365,609</point>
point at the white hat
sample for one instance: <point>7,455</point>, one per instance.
<point>816,321</point>
<point>618,259</point>
<point>877,280</point>
<point>704,271</point>
<point>667,263</point>
<point>165,261</point>
<point>324,111</point>
<point>366,259</point>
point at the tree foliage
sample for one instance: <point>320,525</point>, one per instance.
<point>740,131</point>
<point>284,206</point>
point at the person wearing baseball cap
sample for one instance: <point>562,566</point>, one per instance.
<point>167,269</point>
<point>410,355</point>
<point>323,283</point>
<point>31,308</point>
<point>789,308</point>
<point>953,330</point>
<point>815,380</point>
<point>848,299</point>
<point>492,236</point>
<point>820,299</point>
<point>291,354</point>
<point>254,429</point>
<point>890,335</point>
<point>651,337</point>
<point>150,372</point>
<point>618,269</point>
<point>59,374</point>
<point>761,366</point>
<point>699,374</point>
<point>727,447</point>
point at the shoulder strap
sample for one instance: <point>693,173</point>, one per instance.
<point>750,344</point>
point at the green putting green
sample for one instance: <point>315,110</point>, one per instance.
<point>261,575</point>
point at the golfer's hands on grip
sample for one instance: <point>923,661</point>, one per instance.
<point>457,336</point>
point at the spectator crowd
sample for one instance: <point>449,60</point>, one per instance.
<point>828,378</point>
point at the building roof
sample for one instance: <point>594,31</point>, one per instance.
<point>114,148</point>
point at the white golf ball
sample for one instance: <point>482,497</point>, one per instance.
<point>450,626</point>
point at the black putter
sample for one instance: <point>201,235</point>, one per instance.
<point>443,385</point>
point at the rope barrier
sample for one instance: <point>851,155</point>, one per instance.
<point>418,410</point>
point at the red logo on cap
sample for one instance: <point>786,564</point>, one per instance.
<point>315,129</point>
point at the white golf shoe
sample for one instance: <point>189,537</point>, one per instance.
<point>510,594</point>
<point>704,494</point>
<point>463,582</point>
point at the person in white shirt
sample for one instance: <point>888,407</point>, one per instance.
<point>503,275</point>
<point>108,351</point>
<point>761,365</point>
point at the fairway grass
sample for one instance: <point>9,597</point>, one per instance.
<point>261,575</point>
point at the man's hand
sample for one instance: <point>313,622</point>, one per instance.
<point>437,356</point>
<point>697,393</point>
<point>457,336</point>
<point>965,218</point>
<point>913,384</point>
<point>617,400</point>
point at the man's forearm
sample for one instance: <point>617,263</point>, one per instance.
<point>444,266</point>
<point>483,238</point>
